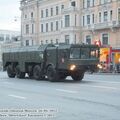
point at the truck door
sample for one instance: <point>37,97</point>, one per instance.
<point>62,58</point>
<point>51,57</point>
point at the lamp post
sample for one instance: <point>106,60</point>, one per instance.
<point>16,19</point>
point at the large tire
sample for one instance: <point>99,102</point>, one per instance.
<point>30,72</point>
<point>19,74</point>
<point>52,74</point>
<point>62,76</point>
<point>10,72</point>
<point>77,76</point>
<point>37,72</point>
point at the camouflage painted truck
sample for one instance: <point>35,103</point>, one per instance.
<point>50,61</point>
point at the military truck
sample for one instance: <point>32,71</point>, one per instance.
<point>54,62</point>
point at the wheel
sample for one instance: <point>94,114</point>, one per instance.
<point>52,74</point>
<point>62,76</point>
<point>19,74</point>
<point>10,71</point>
<point>37,73</point>
<point>30,72</point>
<point>77,76</point>
<point>30,75</point>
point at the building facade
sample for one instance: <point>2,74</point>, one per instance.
<point>50,21</point>
<point>101,21</point>
<point>101,24</point>
<point>8,39</point>
<point>73,21</point>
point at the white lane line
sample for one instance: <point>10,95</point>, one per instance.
<point>106,82</point>
<point>19,97</point>
<point>67,91</point>
<point>8,83</point>
<point>101,87</point>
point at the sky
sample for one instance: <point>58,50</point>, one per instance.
<point>10,15</point>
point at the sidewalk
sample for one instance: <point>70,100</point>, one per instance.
<point>103,73</point>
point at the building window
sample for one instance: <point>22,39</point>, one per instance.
<point>105,39</point>
<point>14,38</point>
<point>32,42</point>
<point>105,16</point>
<point>41,27</point>
<point>57,41</point>
<point>51,41</point>
<point>111,14</point>
<point>62,6</point>
<point>42,13</point>
<point>31,14</point>
<point>27,42</point>
<point>41,42</point>
<point>46,27</point>
<point>75,20</point>
<point>7,37</point>
<point>51,26</point>
<point>67,41</point>
<point>46,12</point>
<point>83,21</point>
<point>57,10</point>
<point>51,11</point>
<point>93,3</point>
<point>56,25</point>
<point>27,29</point>
<point>61,23</point>
<point>73,4</point>
<point>75,39</point>
<point>32,28</point>
<point>88,3</point>
<point>46,41</point>
<point>1,37</point>
<point>88,19</point>
<point>67,20</point>
<point>93,18</point>
<point>104,1</point>
<point>25,16</point>
<point>119,14</point>
<point>99,17</point>
<point>83,3</point>
<point>88,39</point>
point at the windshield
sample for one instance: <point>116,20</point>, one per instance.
<point>75,53</point>
<point>84,53</point>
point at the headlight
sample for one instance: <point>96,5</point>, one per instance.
<point>72,67</point>
<point>99,66</point>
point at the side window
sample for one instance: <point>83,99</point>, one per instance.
<point>75,53</point>
<point>41,55</point>
<point>85,53</point>
<point>65,53</point>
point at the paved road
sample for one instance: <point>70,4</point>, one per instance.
<point>97,97</point>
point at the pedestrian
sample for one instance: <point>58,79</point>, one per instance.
<point>111,67</point>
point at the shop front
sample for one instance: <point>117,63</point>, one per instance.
<point>105,58</point>
<point>116,59</point>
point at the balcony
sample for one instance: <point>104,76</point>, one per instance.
<point>70,9</point>
<point>70,29</point>
<point>105,25</point>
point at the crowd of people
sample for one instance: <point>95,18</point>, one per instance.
<point>111,67</point>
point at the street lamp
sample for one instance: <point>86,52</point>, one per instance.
<point>16,18</point>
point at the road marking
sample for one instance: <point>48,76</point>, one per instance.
<point>8,83</point>
<point>103,87</point>
<point>67,91</point>
<point>15,96</point>
<point>106,82</point>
